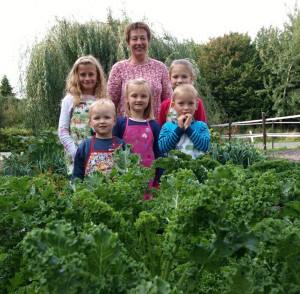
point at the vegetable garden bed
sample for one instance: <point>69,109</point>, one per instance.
<point>210,228</point>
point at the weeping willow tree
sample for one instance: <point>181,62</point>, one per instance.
<point>51,59</point>
<point>45,83</point>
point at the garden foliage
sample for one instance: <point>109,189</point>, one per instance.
<point>210,228</point>
<point>31,155</point>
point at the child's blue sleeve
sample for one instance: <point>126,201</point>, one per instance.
<point>156,130</point>
<point>169,137</point>
<point>78,170</point>
<point>199,135</point>
<point>119,128</point>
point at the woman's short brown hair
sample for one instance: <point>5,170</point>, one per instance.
<point>137,25</point>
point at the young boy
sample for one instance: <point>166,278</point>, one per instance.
<point>185,134</point>
<point>95,153</point>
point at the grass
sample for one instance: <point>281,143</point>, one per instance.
<point>283,148</point>
<point>258,130</point>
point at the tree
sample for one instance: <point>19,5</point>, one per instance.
<point>231,66</point>
<point>5,88</point>
<point>7,102</point>
<point>279,51</point>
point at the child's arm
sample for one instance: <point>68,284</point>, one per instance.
<point>155,127</point>
<point>167,90</point>
<point>120,143</point>
<point>119,128</point>
<point>79,161</point>
<point>199,135</point>
<point>157,153</point>
<point>164,108</point>
<point>64,126</point>
<point>200,112</point>
<point>169,136</point>
<point>124,147</point>
<point>114,84</point>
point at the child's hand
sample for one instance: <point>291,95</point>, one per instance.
<point>181,119</point>
<point>188,120</point>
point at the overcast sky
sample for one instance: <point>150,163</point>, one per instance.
<point>22,21</point>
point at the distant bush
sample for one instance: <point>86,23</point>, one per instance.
<point>39,154</point>
<point>12,111</point>
<point>12,139</point>
<point>237,151</point>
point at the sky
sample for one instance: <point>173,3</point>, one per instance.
<point>22,22</point>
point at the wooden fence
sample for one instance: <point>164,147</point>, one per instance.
<point>263,122</point>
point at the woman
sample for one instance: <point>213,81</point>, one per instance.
<point>139,65</point>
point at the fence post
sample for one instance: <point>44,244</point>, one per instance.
<point>273,133</point>
<point>263,121</point>
<point>229,129</point>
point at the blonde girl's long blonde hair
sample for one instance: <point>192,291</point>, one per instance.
<point>139,83</point>
<point>72,81</point>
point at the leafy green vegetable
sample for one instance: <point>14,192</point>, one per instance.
<point>210,228</point>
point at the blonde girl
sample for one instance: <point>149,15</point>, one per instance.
<point>138,127</point>
<point>85,83</point>
<point>181,72</point>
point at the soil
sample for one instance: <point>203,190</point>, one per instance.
<point>292,155</point>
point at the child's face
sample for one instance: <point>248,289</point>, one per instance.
<point>103,119</point>
<point>185,103</point>
<point>87,76</point>
<point>138,98</point>
<point>180,75</point>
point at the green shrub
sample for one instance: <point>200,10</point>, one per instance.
<point>39,154</point>
<point>12,139</point>
<point>237,151</point>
